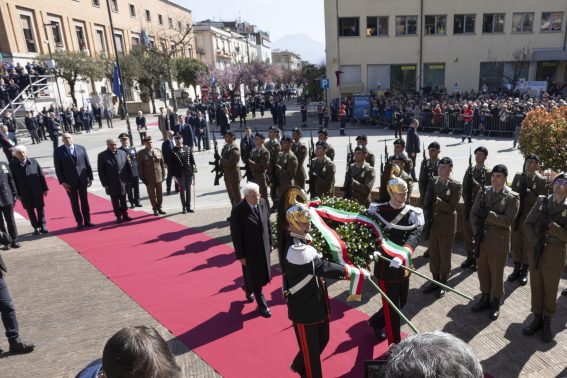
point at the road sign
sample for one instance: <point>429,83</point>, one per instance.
<point>204,90</point>
<point>324,83</point>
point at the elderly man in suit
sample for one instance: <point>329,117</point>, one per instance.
<point>251,236</point>
<point>74,173</point>
<point>114,172</point>
<point>31,187</point>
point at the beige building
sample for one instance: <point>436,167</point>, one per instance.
<point>222,47</point>
<point>380,45</point>
<point>286,60</point>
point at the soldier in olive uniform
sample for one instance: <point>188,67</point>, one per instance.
<point>299,149</point>
<point>428,167</point>
<point>229,158</point>
<point>151,171</point>
<point>401,160</point>
<point>447,193</point>
<point>478,177</point>
<point>399,148</point>
<point>359,178</point>
<point>273,146</point>
<point>259,162</point>
<point>323,136</point>
<point>286,166</point>
<point>362,140</point>
<point>546,273</point>
<point>496,208</point>
<point>323,171</point>
<point>529,184</point>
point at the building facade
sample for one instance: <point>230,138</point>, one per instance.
<point>407,45</point>
<point>286,60</point>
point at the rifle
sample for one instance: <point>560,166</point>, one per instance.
<point>470,182</point>
<point>381,166</point>
<point>386,156</point>
<point>217,168</point>
<point>481,217</point>
<point>429,206</point>
<point>542,227</point>
<point>350,154</point>
<point>523,190</point>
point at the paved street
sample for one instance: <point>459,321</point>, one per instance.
<point>69,309</point>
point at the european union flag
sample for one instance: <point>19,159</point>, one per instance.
<point>116,81</point>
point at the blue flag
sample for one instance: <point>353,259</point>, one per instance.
<point>116,81</point>
<point>213,80</point>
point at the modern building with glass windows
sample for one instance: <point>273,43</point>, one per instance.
<point>377,45</point>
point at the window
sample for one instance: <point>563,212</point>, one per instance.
<point>96,3</point>
<point>493,23</point>
<point>551,21</point>
<point>464,24</point>
<point>132,9</point>
<point>523,22</point>
<point>406,25</point>
<point>434,75</point>
<point>350,74</point>
<point>376,26</point>
<point>114,5</point>
<point>100,40</point>
<point>119,41</point>
<point>56,34</point>
<point>160,19</point>
<point>27,29</point>
<point>148,16</point>
<point>178,25</point>
<point>80,33</point>
<point>349,27</point>
<point>170,22</point>
<point>436,25</point>
<point>135,39</point>
<point>190,51</point>
<point>403,77</point>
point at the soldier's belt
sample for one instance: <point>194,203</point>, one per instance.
<point>298,286</point>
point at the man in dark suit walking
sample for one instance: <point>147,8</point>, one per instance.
<point>114,173</point>
<point>53,128</point>
<point>31,187</point>
<point>133,188</point>
<point>75,174</point>
<point>251,236</point>
<point>141,126</point>
<point>8,311</point>
<point>8,195</point>
<point>413,145</point>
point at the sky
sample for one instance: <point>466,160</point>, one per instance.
<point>278,17</point>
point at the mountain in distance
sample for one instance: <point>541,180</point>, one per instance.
<point>302,44</point>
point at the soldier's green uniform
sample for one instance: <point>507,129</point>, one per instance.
<point>330,152</point>
<point>545,277</point>
<point>481,177</point>
<point>428,166</point>
<point>151,171</point>
<point>286,168</point>
<point>324,176</point>
<point>273,146</point>
<point>299,149</point>
<point>361,181</point>
<point>260,161</point>
<point>230,157</point>
<point>371,159</point>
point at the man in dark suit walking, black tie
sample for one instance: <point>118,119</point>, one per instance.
<point>412,145</point>
<point>251,236</point>
<point>114,172</point>
<point>75,174</point>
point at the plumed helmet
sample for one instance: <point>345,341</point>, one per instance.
<point>397,185</point>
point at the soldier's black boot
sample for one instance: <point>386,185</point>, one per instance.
<point>482,303</point>
<point>469,263</point>
<point>524,275</point>
<point>546,335</point>
<point>516,273</point>
<point>534,326</point>
<point>494,309</point>
<point>17,346</point>
<point>442,291</point>
<point>426,254</point>
<point>431,286</point>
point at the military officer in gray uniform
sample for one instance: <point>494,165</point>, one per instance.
<point>323,171</point>
<point>259,162</point>
<point>359,179</point>
<point>299,149</point>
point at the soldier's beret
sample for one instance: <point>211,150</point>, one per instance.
<point>230,133</point>
<point>260,135</point>
<point>296,130</point>
<point>123,136</point>
<point>561,176</point>
<point>402,157</point>
<point>400,142</point>
<point>148,139</point>
<point>446,160</point>
<point>361,137</point>
<point>500,168</point>
<point>434,145</point>
<point>323,131</point>
<point>481,149</point>
<point>361,148</point>
<point>285,139</point>
<point>532,157</point>
<point>322,144</point>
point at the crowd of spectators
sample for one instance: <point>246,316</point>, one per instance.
<point>13,79</point>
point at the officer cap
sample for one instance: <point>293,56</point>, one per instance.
<point>260,135</point>
<point>500,168</point>
<point>323,131</point>
<point>400,142</point>
<point>434,145</point>
<point>446,160</point>
<point>285,139</point>
<point>123,136</point>
<point>481,149</point>
<point>322,144</point>
<point>362,137</point>
<point>532,157</point>
<point>148,139</point>
<point>296,130</point>
<point>361,148</point>
<point>230,133</point>
<point>401,156</point>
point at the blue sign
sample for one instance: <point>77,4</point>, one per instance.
<point>361,107</point>
<point>324,83</point>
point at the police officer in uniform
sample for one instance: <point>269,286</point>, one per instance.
<point>259,163</point>
<point>273,146</point>
<point>134,184</point>
<point>299,149</point>
<point>401,160</point>
<point>498,206</point>
<point>151,170</point>
<point>286,166</point>
<point>545,274</point>
<point>399,148</point>
<point>323,136</point>
<point>529,184</point>
<point>405,223</point>
<point>362,140</point>
<point>323,171</point>
<point>446,193</point>
<point>229,158</point>
<point>480,178</point>
<point>359,178</point>
<point>428,167</point>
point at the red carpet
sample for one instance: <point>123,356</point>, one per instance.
<point>191,284</point>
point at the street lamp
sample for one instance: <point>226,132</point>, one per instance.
<point>121,81</point>
<point>51,64</point>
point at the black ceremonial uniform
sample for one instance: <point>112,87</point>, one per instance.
<point>133,187</point>
<point>395,281</point>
